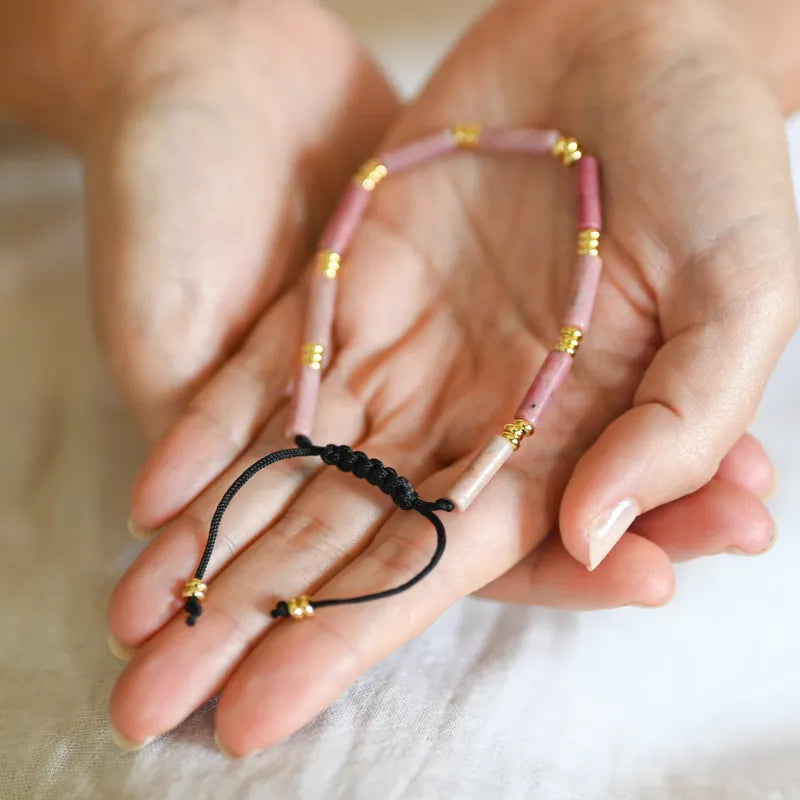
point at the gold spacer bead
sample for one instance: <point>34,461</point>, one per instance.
<point>569,340</point>
<point>516,431</point>
<point>567,149</point>
<point>588,242</point>
<point>467,136</point>
<point>195,588</point>
<point>311,355</point>
<point>371,174</point>
<point>329,262</point>
<point>300,607</point>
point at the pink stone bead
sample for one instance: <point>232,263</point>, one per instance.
<point>339,231</point>
<point>585,280</point>
<point>554,369</point>
<point>518,140</point>
<point>420,151</point>
<point>304,402</point>
<point>321,305</point>
<point>588,180</point>
<point>480,471</point>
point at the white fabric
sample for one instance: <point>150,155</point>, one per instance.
<point>696,700</point>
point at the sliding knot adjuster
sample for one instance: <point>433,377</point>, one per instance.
<point>344,458</point>
<point>373,471</point>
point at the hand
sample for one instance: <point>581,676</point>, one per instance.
<point>698,297</point>
<point>211,165</point>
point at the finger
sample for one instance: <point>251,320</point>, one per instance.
<point>148,594</point>
<point>221,420</point>
<point>313,663</point>
<point>720,517</point>
<point>181,666</point>
<point>748,465</point>
<point>638,572</point>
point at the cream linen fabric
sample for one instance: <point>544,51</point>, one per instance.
<point>700,699</point>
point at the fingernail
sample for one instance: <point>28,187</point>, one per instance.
<point>139,533</point>
<point>221,748</point>
<point>607,527</point>
<point>118,649</point>
<point>775,484</point>
<point>127,744</point>
<point>736,551</point>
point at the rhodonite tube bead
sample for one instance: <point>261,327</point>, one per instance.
<point>305,392</point>
<point>339,231</point>
<point>321,306</point>
<point>587,172</point>
<point>555,368</point>
<point>522,140</point>
<point>585,280</point>
<point>480,471</point>
<point>420,151</point>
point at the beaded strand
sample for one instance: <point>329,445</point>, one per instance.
<point>339,233</point>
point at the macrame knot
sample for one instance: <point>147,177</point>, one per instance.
<point>373,471</point>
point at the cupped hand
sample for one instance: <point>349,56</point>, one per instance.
<point>450,298</point>
<point>213,160</point>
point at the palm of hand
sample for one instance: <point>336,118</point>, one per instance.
<point>450,298</point>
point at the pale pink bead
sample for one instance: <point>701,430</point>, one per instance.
<point>554,369</point>
<point>339,231</point>
<point>304,402</point>
<point>480,471</point>
<point>588,180</point>
<point>321,305</point>
<point>585,280</point>
<point>418,152</point>
<point>518,140</point>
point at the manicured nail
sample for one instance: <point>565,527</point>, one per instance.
<point>775,484</point>
<point>221,748</point>
<point>607,527</point>
<point>139,533</point>
<point>736,551</point>
<point>118,649</point>
<point>126,744</point>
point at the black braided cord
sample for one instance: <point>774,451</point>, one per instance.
<point>344,458</point>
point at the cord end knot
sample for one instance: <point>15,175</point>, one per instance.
<point>280,610</point>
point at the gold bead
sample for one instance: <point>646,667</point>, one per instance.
<point>588,242</point>
<point>195,588</point>
<point>569,340</point>
<point>311,355</point>
<point>516,431</point>
<point>300,607</point>
<point>371,174</point>
<point>567,149</point>
<point>329,262</point>
<point>467,136</point>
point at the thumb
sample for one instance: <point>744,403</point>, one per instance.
<point>697,397</point>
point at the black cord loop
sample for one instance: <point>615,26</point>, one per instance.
<point>344,458</point>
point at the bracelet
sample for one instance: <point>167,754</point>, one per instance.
<point>315,351</point>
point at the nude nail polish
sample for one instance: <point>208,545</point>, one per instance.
<point>607,527</point>
<point>139,533</point>
<point>127,744</point>
<point>221,748</point>
<point>118,649</point>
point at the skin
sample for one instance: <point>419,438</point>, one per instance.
<point>199,300</point>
